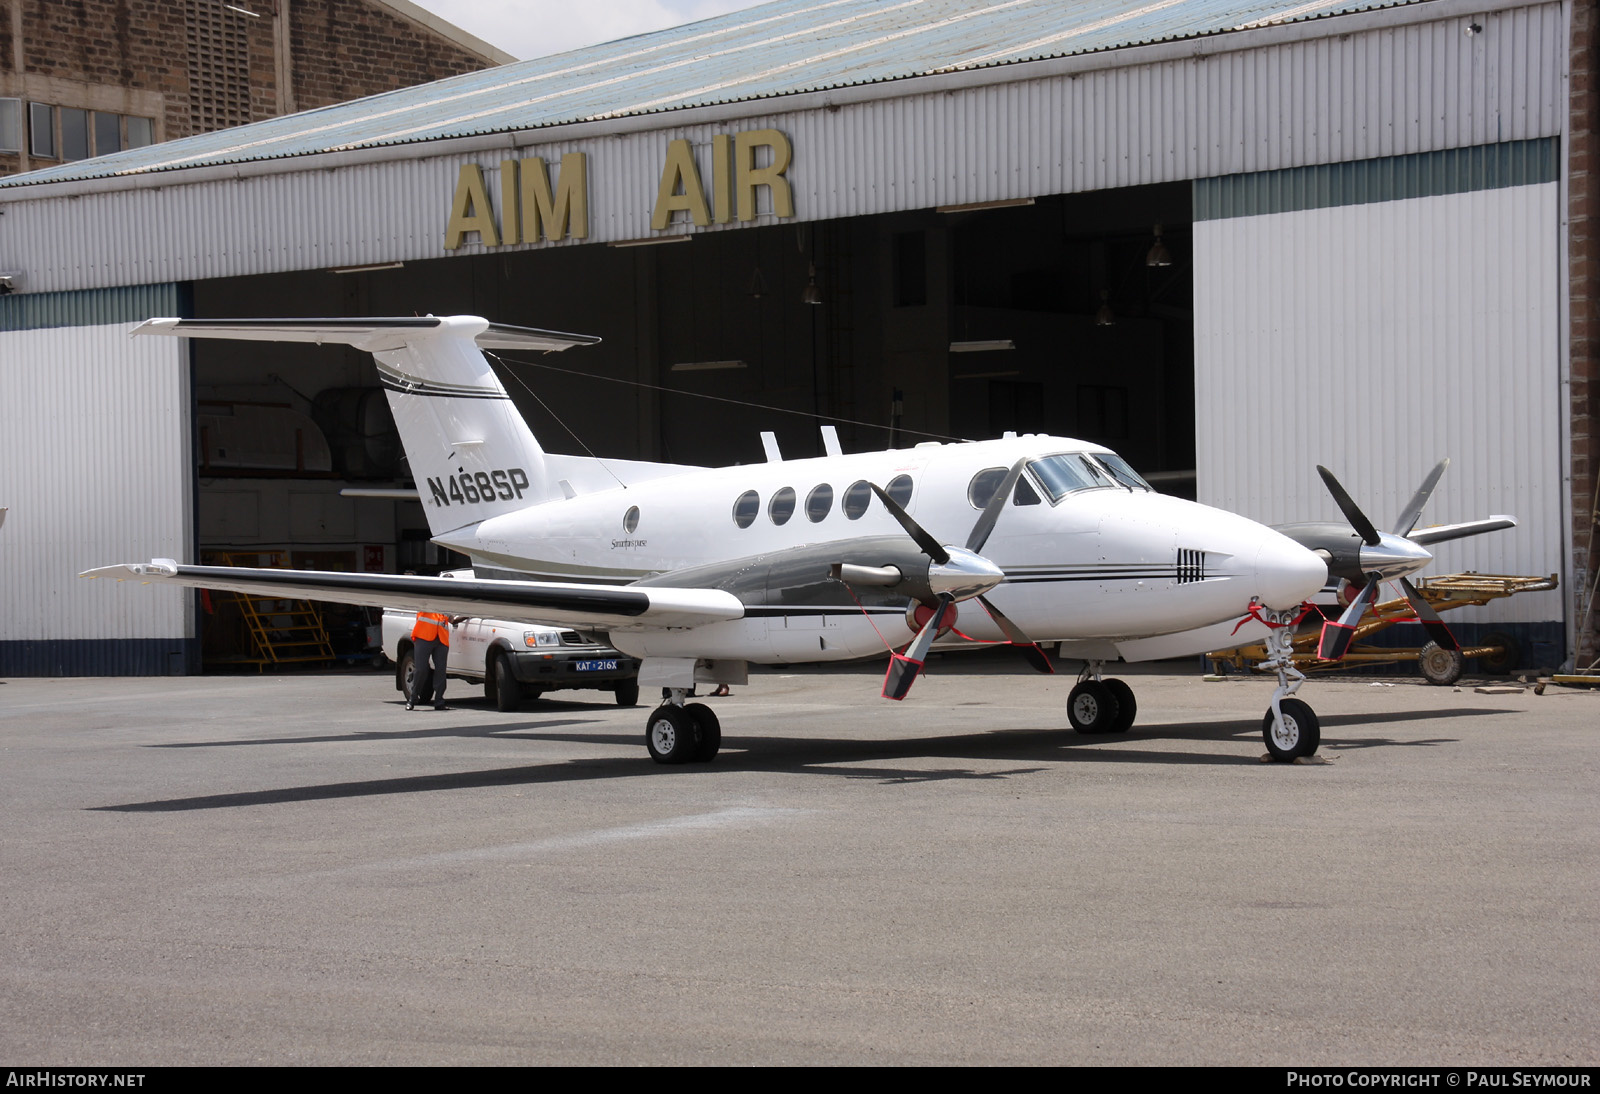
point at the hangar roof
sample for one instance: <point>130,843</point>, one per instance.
<point>781,48</point>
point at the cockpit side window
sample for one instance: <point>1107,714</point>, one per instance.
<point>1122,472</point>
<point>983,486</point>
<point>1024,494</point>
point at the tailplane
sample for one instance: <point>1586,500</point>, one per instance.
<point>471,453</point>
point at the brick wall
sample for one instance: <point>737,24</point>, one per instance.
<point>344,49</point>
<point>1583,207</point>
<point>146,58</point>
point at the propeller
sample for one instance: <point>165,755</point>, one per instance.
<point>954,573</point>
<point>1382,556</point>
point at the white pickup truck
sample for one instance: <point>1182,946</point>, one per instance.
<point>516,662</point>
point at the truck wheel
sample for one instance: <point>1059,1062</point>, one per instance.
<point>628,694</point>
<point>504,689</point>
<point>405,673</point>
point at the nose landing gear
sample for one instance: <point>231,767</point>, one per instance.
<point>1290,727</point>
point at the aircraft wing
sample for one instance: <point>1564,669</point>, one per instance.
<point>584,607</point>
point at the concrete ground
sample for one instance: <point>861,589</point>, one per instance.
<point>292,869</point>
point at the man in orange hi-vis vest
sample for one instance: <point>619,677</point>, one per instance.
<point>430,637</point>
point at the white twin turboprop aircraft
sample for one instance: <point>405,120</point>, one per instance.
<point>699,571</point>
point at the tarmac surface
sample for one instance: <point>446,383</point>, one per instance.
<point>293,869</point>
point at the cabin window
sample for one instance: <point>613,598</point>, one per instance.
<point>984,484</point>
<point>899,489</point>
<point>856,499</point>
<point>819,502</point>
<point>781,508</point>
<point>630,520</point>
<point>746,508</point>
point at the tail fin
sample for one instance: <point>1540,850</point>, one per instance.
<point>471,453</point>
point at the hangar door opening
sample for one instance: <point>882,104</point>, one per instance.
<point>868,323</point>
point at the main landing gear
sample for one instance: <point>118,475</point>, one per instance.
<point>1097,705</point>
<point>680,733</point>
<point>1290,727</point>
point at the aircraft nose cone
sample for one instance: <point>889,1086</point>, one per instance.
<point>1287,573</point>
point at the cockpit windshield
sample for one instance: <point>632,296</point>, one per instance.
<point>1072,471</point>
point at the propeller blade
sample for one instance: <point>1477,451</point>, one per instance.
<point>1027,646</point>
<point>1336,637</point>
<point>1429,618</point>
<point>1352,512</point>
<point>930,546</point>
<point>903,668</point>
<point>991,512</point>
<point>1443,532</point>
<point>1408,518</point>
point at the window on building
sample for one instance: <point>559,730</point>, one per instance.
<point>74,133</point>
<point>10,125</point>
<point>141,131</point>
<point>42,130</point>
<point>107,133</point>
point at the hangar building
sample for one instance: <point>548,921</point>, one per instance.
<point>1230,240</point>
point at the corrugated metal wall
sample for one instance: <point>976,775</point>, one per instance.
<point>1376,339</point>
<point>1404,89</point>
<point>96,467</point>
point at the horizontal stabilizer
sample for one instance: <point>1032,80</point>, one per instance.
<point>584,607</point>
<point>370,333</point>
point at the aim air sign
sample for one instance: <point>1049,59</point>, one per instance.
<point>540,201</point>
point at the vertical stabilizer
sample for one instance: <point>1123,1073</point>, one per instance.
<point>471,453</point>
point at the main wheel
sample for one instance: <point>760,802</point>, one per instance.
<point>628,694</point>
<point>671,735</point>
<point>1092,708</point>
<point>705,720</point>
<point>1439,665</point>
<point>1127,705</point>
<point>405,673</point>
<point>502,685</point>
<point>1299,735</point>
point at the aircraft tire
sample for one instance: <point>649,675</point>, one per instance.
<point>1301,734</point>
<point>705,720</point>
<point>1092,708</point>
<point>671,735</point>
<point>1127,705</point>
<point>502,686</point>
<point>627,694</point>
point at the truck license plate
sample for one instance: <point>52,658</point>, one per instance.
<point>597,666</point>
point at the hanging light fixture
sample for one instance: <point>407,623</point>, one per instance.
<point>1104,316</point>
<point>1159,255</point>
<point>812,295</point>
